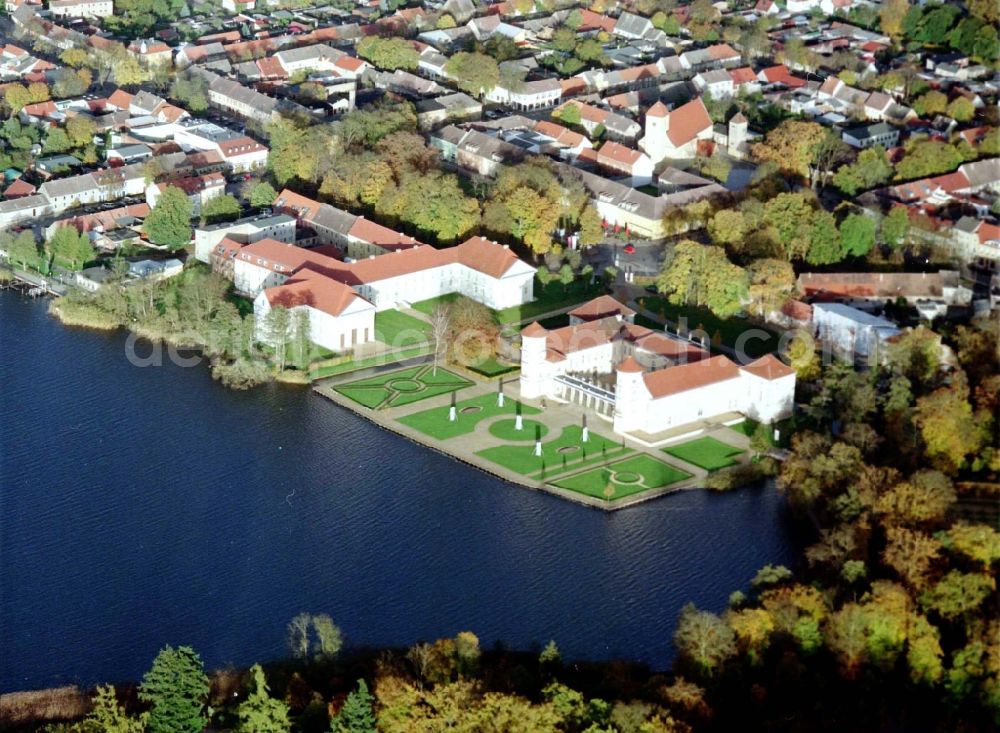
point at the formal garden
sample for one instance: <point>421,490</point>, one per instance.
<point>403,386</point>
<point>623,478</point>
<point>557,456</point>
<point>435,422</point>
<point>707,453</point>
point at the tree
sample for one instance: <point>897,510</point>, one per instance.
<point>958,593</point>
<point>474,73</point>
<point>568,114</point>
<point>259,712</point>
<point>717,167</point>
<point>825,245</point>
<point>952,433</point>
<point>805,149</point>
<point>107,716</point>
<point>220,208</point>
<point>924,498</point>
<point>696,274</point>
<point>961,109</point>
<point>262,194</point>
<point>21,249</point>
<point>872,168</point>
<point>169,221</point>
<point>56,141</point>
<point>978,542</point>
<point>177,688</point>
<point>440,327</point>
<point>81,130</point>
<point>771,284</point>
<point>357,715</point>
<point>315,636</point>
<point>895,226</point>
<point>16,97</point>
<point>704,639</point>
<point>71,248</point>
<point>910,553</point>
<point>388,53</point>
<point>474,332</point>
<point>277,326</point>
<point>803,357</point>
<point>857,235</point>
<point>444,22</point>
<point>923,157</point>
<point>434,203</point>
<point>930,103</point>
<point>891,17</point>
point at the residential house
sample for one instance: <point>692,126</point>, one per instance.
<point>867,136</point>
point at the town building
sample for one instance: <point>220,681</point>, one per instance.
<point>676,133</point>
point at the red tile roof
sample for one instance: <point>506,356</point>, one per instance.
<point>743,75</point>
<point>535,330</point>
<point>120,99</point>
<point>630,366</point>
<point>685,377</point>
<point>18,188</point>
<point>601,307</point>
<point>687,121</point>
<point>366,230</point>
<point>315,290</point>
<point>768,367</point>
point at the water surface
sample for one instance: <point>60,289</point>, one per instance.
<point>149,506</point>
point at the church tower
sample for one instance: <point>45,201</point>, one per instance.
<point>654,142</point>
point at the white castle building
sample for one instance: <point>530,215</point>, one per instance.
<point>646,381</point>
<point>342,298</point>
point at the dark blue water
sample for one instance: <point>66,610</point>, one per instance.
<point>147,506</point>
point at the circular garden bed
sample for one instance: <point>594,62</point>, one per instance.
<point>505,430</point>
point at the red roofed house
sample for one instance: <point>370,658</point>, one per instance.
<point>200,189</point>
<point>780,75</point>
<point>648,381</point>
<point>339,319</point>
<point>675,134</point>
<point>624,161</point>
<point>18,189</point>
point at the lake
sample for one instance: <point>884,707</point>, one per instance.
<point>148,506</point>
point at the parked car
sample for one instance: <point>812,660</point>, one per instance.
<point>629,249</point>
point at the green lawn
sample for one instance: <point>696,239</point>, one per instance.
<point>428,306</point>
<point>492,368</point>
<point>707,453</point>
<point>630,476</point>
<point>402,387</point>
<point>727,330</point>
<point>468,414</point>
<point>507,430</point>
<point>349,364</point>
<point>522,459</point>
<point>551,297</point>
<point>399,329</point>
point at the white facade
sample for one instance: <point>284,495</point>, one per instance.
<point>660,383</point>
<point>280,228</point>
<point>515,287</point>
<point>851,331</point>
<point>355,325</point>
<point>81,8</point>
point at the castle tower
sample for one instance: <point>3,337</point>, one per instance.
<point>631,397</point>
<point>654,142</point>
<point>534,372</point>
<point>737,136</point>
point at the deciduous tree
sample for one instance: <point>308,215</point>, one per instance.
<point>169,221</point>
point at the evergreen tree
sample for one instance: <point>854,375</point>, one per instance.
<point>357,715</point>
<point>177,688</point>
<point>109,717</point>
<point>169,222</point>
<point>260,713</point>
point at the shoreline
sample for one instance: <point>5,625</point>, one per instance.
<point>320,387</point>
